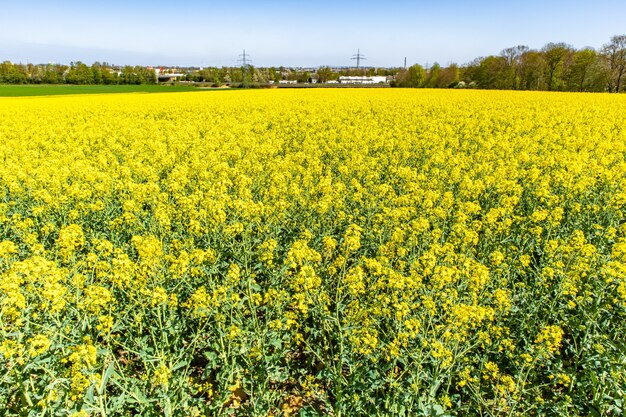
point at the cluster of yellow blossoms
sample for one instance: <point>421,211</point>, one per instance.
<point>322,252</point>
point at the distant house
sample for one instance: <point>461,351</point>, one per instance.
<point>166,78</point>
<point>168,75</point>
<point>363,80</point>
<point>288,82</point>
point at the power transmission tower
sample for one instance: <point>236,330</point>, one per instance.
<point>359,57</point>
<point>245,61</point>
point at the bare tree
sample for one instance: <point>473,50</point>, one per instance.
<point>513,58</point>
<point>615,55</point>
<point>531,70</point>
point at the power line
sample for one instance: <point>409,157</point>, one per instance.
<point>359,57</point>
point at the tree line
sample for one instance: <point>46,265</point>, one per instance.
<point>104,73</point>
<point>555,67</point>
<point>75,73</point>
<point>260,75</point>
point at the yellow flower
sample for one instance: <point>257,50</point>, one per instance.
<point>162,375</point>
<point>150,248</point>
<point>7,248</point>
<point>549,338</point>
<point>38,344</point>
<point>352,238</point>
<point>71,238</point>
<point>490,371</point>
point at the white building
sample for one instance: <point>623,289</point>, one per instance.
<point>363,80</point>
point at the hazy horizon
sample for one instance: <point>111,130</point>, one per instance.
<point>291,34</point>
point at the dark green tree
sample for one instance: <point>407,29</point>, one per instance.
<point>413,77</point>
<point>432,79</point>
<point>12,74</point>
<point>109,75</point>
<point>79,73</point>
<point>554,55</point>
<point>53,74</point>
<point>96,72</point>
<point>416,76</point>
<point>579,71</point>
<point>489,73</point>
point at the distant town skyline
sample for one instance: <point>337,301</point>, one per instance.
<point>274,33</point>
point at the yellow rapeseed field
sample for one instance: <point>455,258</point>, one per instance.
<point>319,252</point>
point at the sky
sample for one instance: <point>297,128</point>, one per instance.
<point>295,33</point>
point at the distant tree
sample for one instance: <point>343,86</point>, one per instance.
<point>513,57</point>
<point>489,73</point>
<point>34,73</point>
<point>449,76</point>
<point>432,77</point>
<point>96,73</point>
<point>12,74</point>
<point>218,76</point>
<point>531,70</point>
<point>145,75</point>
<point>137,75</point>
<point>53,74</point>
<point>324,74</point>
<point>599,74</point>
<point>247,72</point>
<point>554,55</point>
<point>227,75</point>
<point>580,68</point>
<point>413,77</point>
<point>127,75</point>
<point>79,73</point>
<point>303,77</point>
<point>416,76</point>
<point>109,75</point>
<point>259,75</point>
<point>235,74</point>
<point>203,75</point>
<point>210,75</point>
<point>292,75</point>
<point>270,75</point>
<point>614,53</point>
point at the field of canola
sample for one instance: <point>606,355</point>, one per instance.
<point>340,253</point>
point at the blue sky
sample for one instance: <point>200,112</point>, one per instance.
<point>295,33</point>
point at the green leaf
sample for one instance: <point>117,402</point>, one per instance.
<point>105,378</point>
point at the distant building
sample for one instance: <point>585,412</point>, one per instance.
<point>363,79</point>
<point>165,78</point>
<point>167,75</point>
